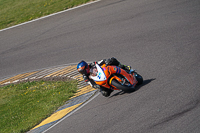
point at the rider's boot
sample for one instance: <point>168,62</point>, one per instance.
<point>114,61</point>
<point>105,92</point>
<point>127,68</point>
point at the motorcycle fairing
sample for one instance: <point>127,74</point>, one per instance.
<point>100,74</point>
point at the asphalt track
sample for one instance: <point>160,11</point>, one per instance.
<point>161,39</point>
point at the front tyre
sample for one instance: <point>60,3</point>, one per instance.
<point>139,79</point>
<point>118,85</point>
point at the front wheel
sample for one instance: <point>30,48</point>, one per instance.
<point>118,85</point>
<point>139,79</point>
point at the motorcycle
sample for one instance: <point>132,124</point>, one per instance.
<point>115,78</point>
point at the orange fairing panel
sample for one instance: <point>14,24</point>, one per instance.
<point>117,70</point>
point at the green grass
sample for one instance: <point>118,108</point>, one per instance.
<point>24,105</point>
<point>13,12</point>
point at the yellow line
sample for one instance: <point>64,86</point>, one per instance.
<point>66,69</point>
<point>58,115</point>
<point>79,77</point>
<point>83,91</point>
<point>54,73</point>
<point>28,74</point>
<point>7,80</point>
<point>18,77</point>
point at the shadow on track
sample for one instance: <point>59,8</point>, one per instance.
<point>145,82</point>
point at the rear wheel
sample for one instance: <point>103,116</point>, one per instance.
<point>118,85</point>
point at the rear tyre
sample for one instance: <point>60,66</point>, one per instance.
<point>118,85</point>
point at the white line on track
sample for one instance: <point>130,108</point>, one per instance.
<point>51,15</point>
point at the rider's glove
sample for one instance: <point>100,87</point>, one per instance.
<point>85,78</point>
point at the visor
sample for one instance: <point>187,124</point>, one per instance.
<point>93,71</point>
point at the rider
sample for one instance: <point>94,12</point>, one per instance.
<point>84,69</point>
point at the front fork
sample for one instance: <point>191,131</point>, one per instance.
<point>134,73</point>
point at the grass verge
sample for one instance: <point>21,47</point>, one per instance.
<point>13,12</point>
<point>24,105</point>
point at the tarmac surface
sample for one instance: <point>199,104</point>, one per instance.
<point>158,38</point>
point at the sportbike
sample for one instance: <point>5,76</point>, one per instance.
<point>115,78</point>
